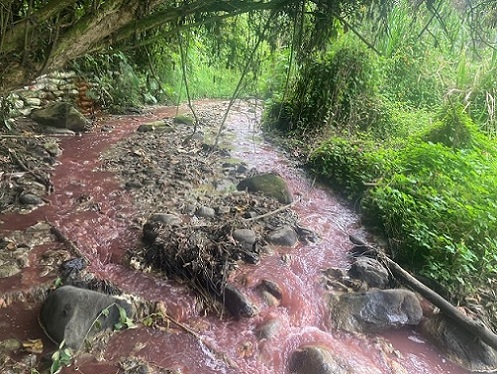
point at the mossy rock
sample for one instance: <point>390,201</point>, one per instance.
<point>61,115</point>
<point>271,185</point>
<point>182,119</point>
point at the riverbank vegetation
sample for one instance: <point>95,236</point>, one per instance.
<point>392,102</point>
<point>400,118</point>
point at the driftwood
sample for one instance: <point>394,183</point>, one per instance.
<point>68,243</point>
<point>477,328</point>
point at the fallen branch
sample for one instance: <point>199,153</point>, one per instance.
<point>268,214</point>
<point>476,328</point>
<point>65,240</point>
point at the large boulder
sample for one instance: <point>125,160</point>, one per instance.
<point>60,115</point>
<point>271,185</point>
<point>285,236</point>
<point>371,271</point>
<point>321,360</point>
<point>72,314</point>
<point>375,310</point>
<point>459,345</point>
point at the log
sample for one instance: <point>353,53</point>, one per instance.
<point>477,328</point>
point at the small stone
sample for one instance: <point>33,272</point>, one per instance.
<point>10,345</point>
<point>272,287</point>
<point>9,269</point>
<point>285,236</point>
<point>268,329</point>
<point>237,303</point>
<point>168,219</point>
<point>33,101</point>
<point>30,199</point>
<point>223,210</point>
<point>52,148</point>
<point>206,212</point>
<point>133,184</point>
<point>244,236</point>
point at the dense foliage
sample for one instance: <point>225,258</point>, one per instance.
<point>402,117</point>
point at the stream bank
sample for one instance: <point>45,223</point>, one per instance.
<point>104,216</point>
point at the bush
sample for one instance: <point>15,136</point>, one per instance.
<point>352,165</point>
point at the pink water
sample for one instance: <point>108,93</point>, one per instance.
<point>226,346</point>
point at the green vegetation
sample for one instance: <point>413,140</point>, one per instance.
<point>404,126</point>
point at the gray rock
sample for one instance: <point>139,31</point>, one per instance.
<point>268,329</point>
<point>30,199</point>
<point>167,219</point>
<point>61,115</point>
<point>206,212</point>
<point>285,236</point>
<point>271,287</point>
<point>133,184</point>
<point>18,104</point>
<point>459,345</point>
<point>223,210</point>
<point>237,303</point>
<point>370,271</point>
<point>375,310</point>
<point>33,101</point>
<point>52,148</point>
<point>316,359</point>
<point>271,185</point>
<point>73,314</point>
<point>246,236</point>
<point>10,345</point>
<point>9,269</point>
<point>151,126</point>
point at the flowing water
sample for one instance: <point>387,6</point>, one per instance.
<point>228,346</point>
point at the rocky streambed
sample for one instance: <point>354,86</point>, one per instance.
<point>208,259</point>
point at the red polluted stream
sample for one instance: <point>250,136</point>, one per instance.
<point>218,345</point>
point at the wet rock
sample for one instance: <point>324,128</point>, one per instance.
<point>376,310</point>
<point>285,236</point>
<point>166,218</point>
<point>206,212</point>
<point>70,269</point>
<point>152,126</point>
<point>9,269</point>
<point>371,271</point>
<point>268,329</point>
<point>269,298</point>
<point>184,120</point>
<point>10,345</point>
<point>61,115</point>
<point>69,314</point>
<point>459,345</point>
<point>133,184</point>
<point>237,303</point>
<point>271,287</point>
<point>52,148</point>
<point>271,185</point>
<point>30,199</point>
<point>245,236</point>
<point>316,359</point>
<point>223,210</point>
